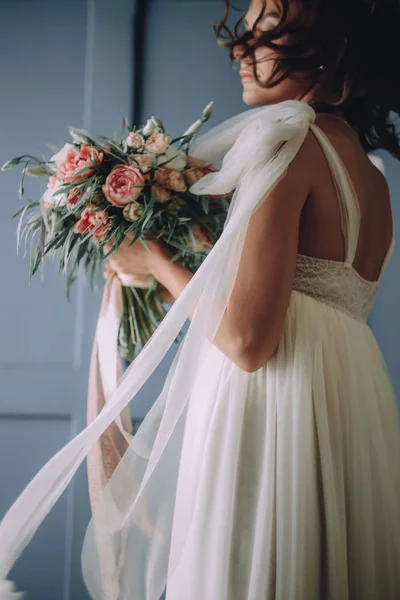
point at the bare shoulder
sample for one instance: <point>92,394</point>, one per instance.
<point>300,170</point>
<point>291,192</point>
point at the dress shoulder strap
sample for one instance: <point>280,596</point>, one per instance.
<point>348,201</point>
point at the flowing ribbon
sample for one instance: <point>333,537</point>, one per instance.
<point>105,370</point>
<point>250,145</point>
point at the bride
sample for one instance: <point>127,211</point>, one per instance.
<point>267,468</point>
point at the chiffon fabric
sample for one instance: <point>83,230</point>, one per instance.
<point>289,477</point>
<point>280,484</point>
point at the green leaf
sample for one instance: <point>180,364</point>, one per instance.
<point>125,123</point>
<point>70,280</point>
<point>147,219</point>
<point>56,242</point>
<point>28,206</point>
<point>132,313</point>
<point>36,258</point>
<point>54,149</point>
<point>83,171</point>
<point>205,203</point>
<point>21,185</point>
<point>81,136</point>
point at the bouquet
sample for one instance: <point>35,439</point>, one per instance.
<point>100,191</point>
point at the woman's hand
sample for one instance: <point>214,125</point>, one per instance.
<point>163,294</point>
<point>135,259</point>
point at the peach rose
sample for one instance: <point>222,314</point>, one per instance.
<point>162,175</point>
<point>198,163</point>
<point>203,241</point>
<point>176,182</point>
<point>135,140</point>
<point>123,185</point>
<point>194,162</point>
<point>90,218</point>
<point>133,211</point>
<point>162,194</point>
<point>71,160</point>
<point>143,161</point>
<point>193,175</point>
<point>158,142</point>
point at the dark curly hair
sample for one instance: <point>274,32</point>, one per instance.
<point>347,47</point>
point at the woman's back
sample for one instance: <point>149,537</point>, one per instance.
<point>320,232</point>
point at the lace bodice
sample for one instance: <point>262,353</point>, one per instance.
<point>337,284</point>
<point>333,282</point>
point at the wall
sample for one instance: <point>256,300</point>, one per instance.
<point>71,62</point>
<point>63,63</point>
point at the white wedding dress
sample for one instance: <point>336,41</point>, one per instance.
<point>293,471</point>
<point>282,484</point>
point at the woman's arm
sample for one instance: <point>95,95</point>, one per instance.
<point>175,277</point>
<point>164,295</point>
<point>252,325</point>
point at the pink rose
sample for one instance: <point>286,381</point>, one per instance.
<point>102,230</point>
<point>158,142</point>
<point>83,225</point>
<point>203,241</point>
<point>176,182</point>
<point>73,195</point>
<point>143,161</point>
<point>71,160</point>
<point>90,218</point>
<point>162,194</point>
<point>123,185</point>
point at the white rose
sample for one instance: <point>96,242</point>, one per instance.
<point>177,159</point>
<point>133,211</point>
<point>49,199</point>
<point>149,128</point>
<point>60,156</point>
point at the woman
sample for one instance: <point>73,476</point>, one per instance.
<point>311,508</point>
<point>268,466</point>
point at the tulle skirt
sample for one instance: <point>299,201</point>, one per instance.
<point>289,477</point>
